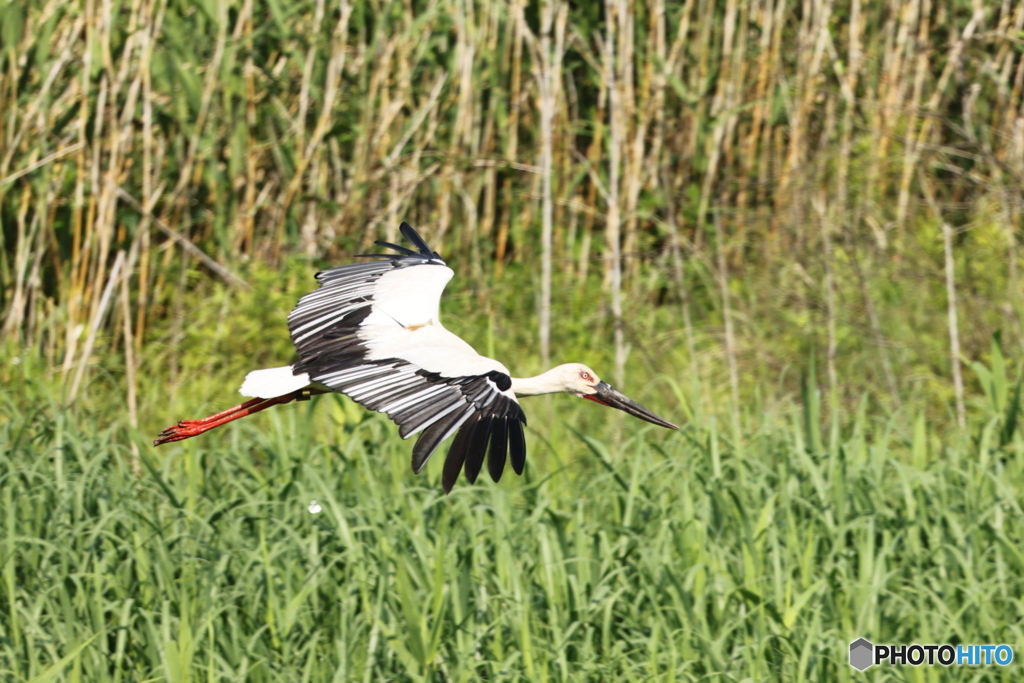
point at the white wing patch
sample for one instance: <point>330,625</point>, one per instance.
<point>412,295</point>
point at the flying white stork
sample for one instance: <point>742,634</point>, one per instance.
<point>371,331</point>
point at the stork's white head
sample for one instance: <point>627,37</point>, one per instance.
<point>579,380</point>
<point>576,379</point>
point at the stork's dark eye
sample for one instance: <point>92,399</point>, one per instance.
<point>585,375</point>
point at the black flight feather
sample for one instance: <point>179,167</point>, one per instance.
<point>517,446</point>
<point>457,455</point>
<point>415,415</point>
<point>416,240</point>
<point>499,444</point>
<point>405,252</point>
<point>477,448</point>
<point>431,437</point>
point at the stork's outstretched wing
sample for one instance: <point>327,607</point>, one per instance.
<point>371,331</point>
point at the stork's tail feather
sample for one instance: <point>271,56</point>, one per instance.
<point>273,382</point>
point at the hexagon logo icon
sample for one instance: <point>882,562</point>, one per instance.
<point>861,651</point>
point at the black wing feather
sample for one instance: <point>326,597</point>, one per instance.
<point>400,249</point>
<point>433,435</point>
<point>457,455</point>
<point>477,449</point>
<point>411,418</point>
<point>517,445</point>
<point>499,445</point>
<point>417,241</point>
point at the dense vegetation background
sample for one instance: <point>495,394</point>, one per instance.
<point>794,227</point>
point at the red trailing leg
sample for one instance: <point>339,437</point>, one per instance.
<point>189,428</point>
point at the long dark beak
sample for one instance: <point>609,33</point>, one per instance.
<point>607,396</point>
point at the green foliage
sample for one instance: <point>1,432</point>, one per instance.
<point>665,556</point>
<point>1001,407</point>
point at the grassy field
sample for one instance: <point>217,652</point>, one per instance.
<point>792,228</point>
<point>624,553</point>
<point>692,556</point>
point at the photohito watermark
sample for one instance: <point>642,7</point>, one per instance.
<point>863,654</point>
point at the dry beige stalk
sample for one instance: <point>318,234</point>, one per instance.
<point>94,326</point>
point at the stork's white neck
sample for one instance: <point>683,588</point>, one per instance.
<point>550,382</point>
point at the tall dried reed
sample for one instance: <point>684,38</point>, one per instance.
<point>147,139</point>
